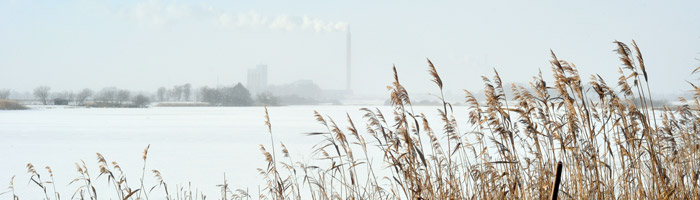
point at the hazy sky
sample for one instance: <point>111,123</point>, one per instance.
<point>142,45</point>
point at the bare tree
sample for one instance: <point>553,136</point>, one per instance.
<point>122,96</point>
<point>237,95</point>
<point>107,95</point>
<point>210,95</point>
<point>4,93</point>
<point>161,93</point>
<point>141,101</point>
<point>66,95</point>
<point>70,96</point>
<point>187,91</point>
<point>42,93</point>
<point>176,93</point>
<point>82,96</point>
<point>266,98</point>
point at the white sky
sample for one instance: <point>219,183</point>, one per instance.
<point>142,45</point>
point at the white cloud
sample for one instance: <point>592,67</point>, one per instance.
<point>157,13</point>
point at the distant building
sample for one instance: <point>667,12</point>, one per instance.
<point>257,79</point>
<point>60,101</point>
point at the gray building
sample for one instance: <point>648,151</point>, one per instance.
<point>257,79</point>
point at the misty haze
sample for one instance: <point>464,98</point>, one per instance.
<point>160,99</point>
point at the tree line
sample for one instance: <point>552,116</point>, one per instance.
<point>236,95</point>
<point>177,93</point>
<point>107,97</point>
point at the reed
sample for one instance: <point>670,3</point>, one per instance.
<point>11,105</point>
<point>610,145</point>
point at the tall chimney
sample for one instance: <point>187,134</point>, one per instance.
<point>347,64</point>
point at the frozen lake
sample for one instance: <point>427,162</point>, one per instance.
<point>196,144</point>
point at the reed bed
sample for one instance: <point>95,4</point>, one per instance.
<point>608,147</point>
<point>11,105</point>
<point>509,148</point>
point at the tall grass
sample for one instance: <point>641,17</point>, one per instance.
<point>11,105</point>
<point>609,147</point>
<point>509,148</point>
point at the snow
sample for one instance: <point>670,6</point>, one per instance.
<point>188,144</point>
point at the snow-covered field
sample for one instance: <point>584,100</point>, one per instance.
<point>196,144</point>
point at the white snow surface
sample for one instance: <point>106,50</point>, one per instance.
<point>196,145</point>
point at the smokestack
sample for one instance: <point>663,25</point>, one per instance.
<point>347,64</point>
